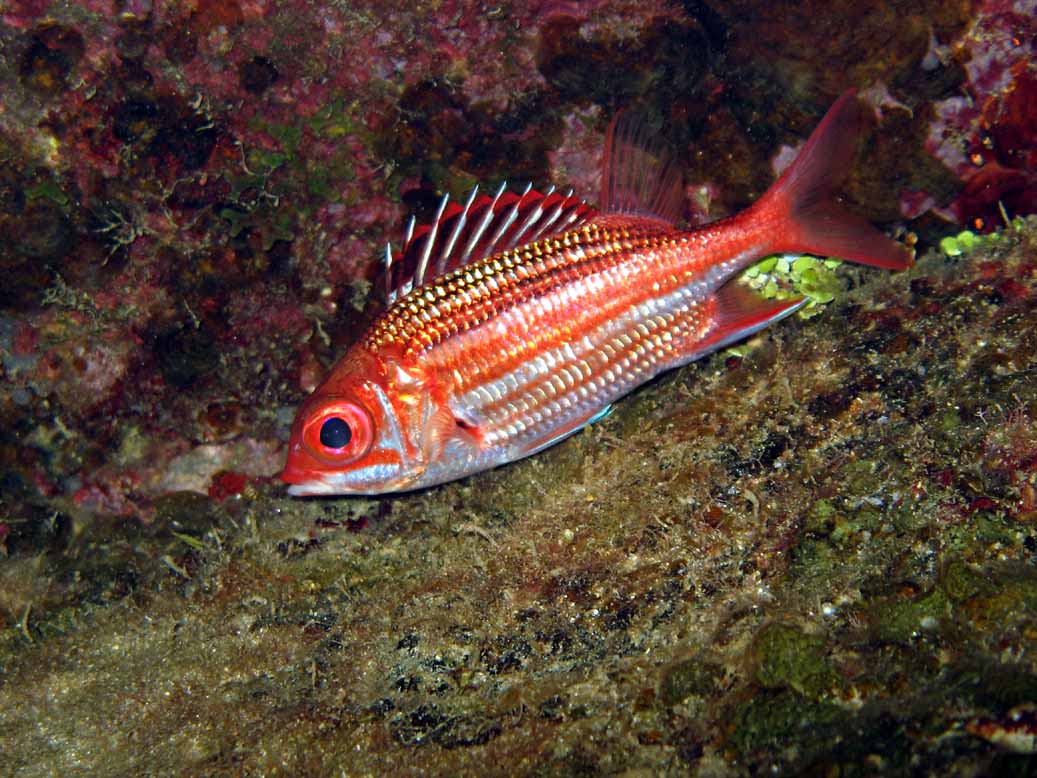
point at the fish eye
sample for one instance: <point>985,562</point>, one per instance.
<point>337,430</point>
<point>335,433</point>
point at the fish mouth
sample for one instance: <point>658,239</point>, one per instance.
<point>300,485</point>
<point>294,475</point>
<point>303,484</point>
<point>376,478</point>
<point>313,489</point>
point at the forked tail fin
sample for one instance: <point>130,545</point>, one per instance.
<point>799,211</point>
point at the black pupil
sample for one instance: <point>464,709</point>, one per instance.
<point>335,433</point>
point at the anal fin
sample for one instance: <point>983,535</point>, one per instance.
<point>741,312</point>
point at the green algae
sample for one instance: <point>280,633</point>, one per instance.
<point>786,657</point>
<point>986,527</point>
<point>960,582</point>
<point>338,119</point>
<point>966,242</point>
<point>1010,598</point>
<point>903,620</point>
<point>690,678</point>
<point>773,721</point>
<point>783,277</point>
<point>50,190</point>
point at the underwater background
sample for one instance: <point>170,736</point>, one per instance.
<point>813,553</point>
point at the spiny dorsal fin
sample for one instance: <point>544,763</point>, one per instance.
<point>465,233</point>
<point>638,177</point>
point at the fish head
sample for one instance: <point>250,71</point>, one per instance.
<point>368,429</point>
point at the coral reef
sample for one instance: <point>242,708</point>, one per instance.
<point>812,552</point>
<point>816,556</point>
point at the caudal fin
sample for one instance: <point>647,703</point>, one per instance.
<point>800,213</point>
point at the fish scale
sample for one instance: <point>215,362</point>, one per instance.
<point>595,364</point>
<point>468,296</point>
<point>580,316</point>
<point>591,294</point>
<point>510,346</point>
<point>591,379</point>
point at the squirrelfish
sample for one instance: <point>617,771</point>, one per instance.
<point>516,319</point>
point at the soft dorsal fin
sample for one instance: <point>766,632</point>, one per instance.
<point>465,233</point>
<point>638,177</point>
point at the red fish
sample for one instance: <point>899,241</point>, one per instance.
<point>515,320</point>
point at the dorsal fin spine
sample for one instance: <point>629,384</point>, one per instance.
<point>462,219</point>
<point>409,233</point>
<point>401,288</point>
<point>554,215</point>
<point>476,235</point>
<point>507,222</point>
<point>430,241</point>
<point>483,226</point>
<point>534,214</point>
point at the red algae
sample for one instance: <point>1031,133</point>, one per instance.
<point>767,562</point>
<point>986,137</point>
<point>226,484</point>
